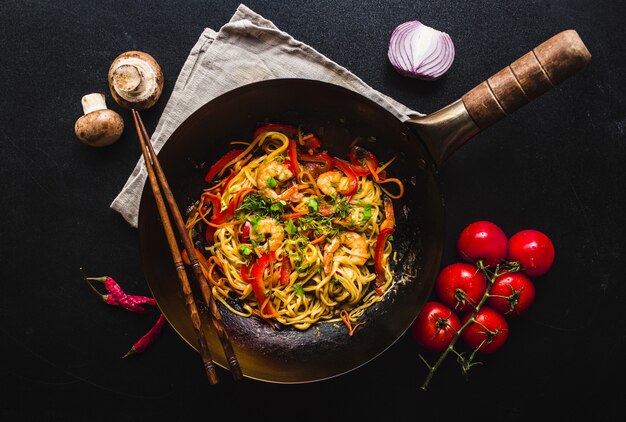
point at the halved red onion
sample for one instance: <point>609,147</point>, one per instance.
<point>419,51</point>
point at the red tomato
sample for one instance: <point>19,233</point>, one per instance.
<point>516,291</point>
<point>488,333</point>
<point>435,326</point>
<point>460,286</point>
<point>482,240</point>
<point>533,250</point>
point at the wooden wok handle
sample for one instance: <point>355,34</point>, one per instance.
<point>525,79</point>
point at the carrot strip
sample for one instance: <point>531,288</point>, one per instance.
<point>384,166</point>
<point>372,170</point>
<point>345,317</point>
<point>319,239</point>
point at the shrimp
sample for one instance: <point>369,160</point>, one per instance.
<point>331,182</point>
<point>291,194</point>
<point>271,227</point>
<point>272,171</point>
<point>354,242</point>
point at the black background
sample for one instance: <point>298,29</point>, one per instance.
<point>556,165</point>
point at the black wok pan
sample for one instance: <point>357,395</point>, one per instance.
<point>338,115</point>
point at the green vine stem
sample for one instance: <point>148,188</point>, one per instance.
<point>466,364</point>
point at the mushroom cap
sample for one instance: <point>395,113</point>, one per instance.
<point>99,128</point>
<point>135,80</point>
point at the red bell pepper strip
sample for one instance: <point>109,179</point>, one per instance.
<point>245,232</point>
<point>286,129</point>
<point>285,271</point>
<point>214,200</point>
<point>322,157</point>
<point>353,183</point>
<point>293,157</point>
<point>245,273</point>
<point>218,216</point>
<point>311,143</point>
<point>223,216</point>
<point>219,164</point>
<point>381,242</point>
<point>208,234</point>
<point>258,283</point>
<point>201,259</point>
<point>360,158</point>
<point>226,181</point>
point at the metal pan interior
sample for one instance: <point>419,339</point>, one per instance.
<point>337,115</point>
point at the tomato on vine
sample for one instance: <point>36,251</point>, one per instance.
<point>482,240</point>
<point>494,281</point>
<point>533,250</point>
<point>435,326</point>
<point>511,294</point>
<point>487,333</point>
<point>460,286</point>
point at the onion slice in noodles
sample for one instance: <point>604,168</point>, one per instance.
<point>419,51</point>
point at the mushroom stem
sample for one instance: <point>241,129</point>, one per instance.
<point>135,80</point>
<point>128,78</point>
<point>98,126</point>
<point>93,102</point>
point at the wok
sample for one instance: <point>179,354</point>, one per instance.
<point>338,115</point>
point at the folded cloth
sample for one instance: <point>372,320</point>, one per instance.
<point>248,49</point>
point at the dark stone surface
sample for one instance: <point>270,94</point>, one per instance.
<point>556,165</point>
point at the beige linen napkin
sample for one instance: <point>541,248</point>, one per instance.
<point>249,48</point>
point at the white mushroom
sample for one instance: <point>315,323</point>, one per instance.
<point>135,80</point>
<point>99,126</point>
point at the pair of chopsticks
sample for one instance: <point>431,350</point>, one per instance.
<point>157,182</point>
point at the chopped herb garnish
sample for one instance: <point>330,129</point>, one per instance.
<point>271,182</point>
<point>298,289</point>
<point>313,204</point>
<point>255,220</point>
<point>277,207</point>
<point>291,228</point>
<point>255,206</point>
<point>244,249</point>
<point>342,208</point>
<point>367,212</point>
<point>320,224</point>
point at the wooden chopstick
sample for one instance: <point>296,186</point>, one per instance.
<point>155,172</point>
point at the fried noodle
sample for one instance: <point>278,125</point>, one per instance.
<point>292,238</point>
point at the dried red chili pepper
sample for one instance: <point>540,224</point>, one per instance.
<point>148,338</point>
<point>117,296</point>
<point>143,300</point>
